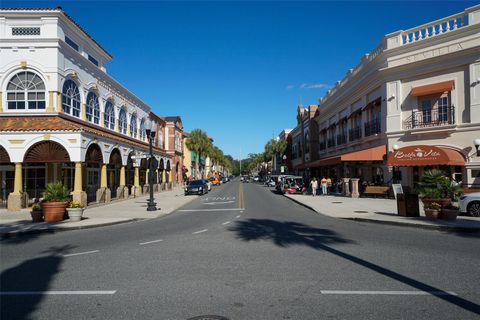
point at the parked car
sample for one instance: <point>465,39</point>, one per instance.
<point>209,184</point>
<point>470,203</point>
<point>256,179</point>
<point>294,185</point>
<point>196,187</point>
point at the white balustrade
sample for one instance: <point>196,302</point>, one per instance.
<point>435,28</point>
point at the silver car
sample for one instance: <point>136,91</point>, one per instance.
<point>470,203</point>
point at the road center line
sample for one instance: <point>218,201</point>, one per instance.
<point>226,209</point>
<point>201,231</point>
<point>226,222</point>
<point>406,293</point>
<point>80,253</point>
<point>153,241</point>
<point>36,293</point>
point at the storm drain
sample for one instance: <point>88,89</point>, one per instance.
<point>208,317</point>
<point>360,211</point>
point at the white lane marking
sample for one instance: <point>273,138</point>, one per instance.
<point>241,211</point>
<point>193,210</point>
<point>408,293</point>
<point>237,216</point>
<point>80,253</point>
<point>222,202</point>
<point>201,231</point>
<point>153,241</point>
<point>34,293</point>
<point>226,222</point>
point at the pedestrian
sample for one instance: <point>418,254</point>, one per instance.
<point>323,182</point>
<point>329,184</point>
<point>314,186</point>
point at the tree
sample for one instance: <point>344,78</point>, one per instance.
<point>274,147</point>
<point>199,142</point>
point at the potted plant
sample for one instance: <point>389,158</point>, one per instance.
<point>75,211</point>
<point>55,200</point>
<point>432,210</point>
<point>434,186</point>
<point>450,212</point>
<point>36,213</point>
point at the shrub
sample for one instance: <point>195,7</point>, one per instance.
<point>433,206</point>
<point>36,207</point>
<point>56,192</point>
<point>75,204</point>
<point>435,185</point>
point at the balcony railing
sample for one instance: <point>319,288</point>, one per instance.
<point>322,145</point>
<point>430,118</point>
<point>355,134</point>
<point>331,142</point>
<point>341,138</point>
<point>372,127</point>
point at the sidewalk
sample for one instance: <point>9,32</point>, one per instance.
<point>120,211</point>
<point>379,211</point>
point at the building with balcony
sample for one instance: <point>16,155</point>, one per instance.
<point>411,104</point>
<point>63,118</point>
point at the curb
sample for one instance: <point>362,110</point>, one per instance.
<point>395,223</point>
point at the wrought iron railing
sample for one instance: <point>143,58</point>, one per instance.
<point>331,142</point>
<point>354,134</point>
<point>372,127</point>
<point>341,138</point>
<point>430,118</point>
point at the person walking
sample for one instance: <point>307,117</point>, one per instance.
<point>329,184</point>
<point>314,186</point>
<point>323,182</point>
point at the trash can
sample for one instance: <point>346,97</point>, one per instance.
<point>407,205</point>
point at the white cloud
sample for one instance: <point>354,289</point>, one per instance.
<point>318,86</point>
<point>290,87</point>
<point>303,85</point>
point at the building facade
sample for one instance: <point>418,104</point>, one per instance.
<point>411,104</point>
<point>63,118</point>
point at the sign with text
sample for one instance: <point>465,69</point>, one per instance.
<point>420,155</point>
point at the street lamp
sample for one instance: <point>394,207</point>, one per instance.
<point>476,142</point>
<point>284,158</point>
<point>394,180</point>
<point>150,128</point>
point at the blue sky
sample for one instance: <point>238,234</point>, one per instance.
<point>239,69</point>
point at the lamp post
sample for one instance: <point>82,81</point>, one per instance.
<point>394,180</point>
<point>476,143</point>
<point>150,128</point>
<point>284,158</point>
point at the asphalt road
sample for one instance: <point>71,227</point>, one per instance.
<point>242,252</point>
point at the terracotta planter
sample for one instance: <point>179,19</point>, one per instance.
<point>431,214</point>
<point>449,214</point>
<point>37,216</point>
<point>53,211</point>
<point>443,202</point>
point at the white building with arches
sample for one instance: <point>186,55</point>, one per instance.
<point>63,118</point>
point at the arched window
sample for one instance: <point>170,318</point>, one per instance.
<point>122,121</point>
<point>133,126</point>
<point>143,132</point>
<point>93,108</point>
<point>71,98</point>
<point>25,90</point>
<point>109,121</point>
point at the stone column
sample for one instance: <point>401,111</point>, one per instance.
<point>136,190</point>
<point>164,178</point>
<point>15,198</point>
<point>78,194</point>
<point>103,194</point>
<point>84,112</point>
<point>346,187</point>
<point>102,119</point>
<point>122,191</point>
<point>355,193</point>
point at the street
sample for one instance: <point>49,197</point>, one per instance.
<point>241,252</point>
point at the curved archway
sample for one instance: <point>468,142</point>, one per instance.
<point>168,169</point>
<point>94,161</point>
<point>161,168</point>
<point>176,172</point>
<point>71,100</point>
<point>7,176</point>
<point>113,171</point>
<point>130,173</point>
<point>4,156</point>
<point>46,151</point>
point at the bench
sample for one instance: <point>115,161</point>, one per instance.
<point>377,190</point>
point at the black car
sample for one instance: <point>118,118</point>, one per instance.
<point>196,187</point>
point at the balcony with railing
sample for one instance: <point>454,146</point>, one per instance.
<point>430,118</point>
<point>331,142</point>
<point>341,138</point>
<point>372,127</point>
<point>355,134</point>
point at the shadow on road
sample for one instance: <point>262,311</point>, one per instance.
<point>34,275</point>
<point>284,234</point>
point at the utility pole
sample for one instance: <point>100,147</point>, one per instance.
<point>240,160</point>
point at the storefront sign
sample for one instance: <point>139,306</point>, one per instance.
<point>422,155</point>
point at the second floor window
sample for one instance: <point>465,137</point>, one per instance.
<point>443,109</point>
<point>427,111</point>
<point>71,98</point>
<point>109,120</point>
<point>143,132</point>
<point>93,108</point>
<point>133,126</point>
<point>25,90</point>
<point>122,121</point>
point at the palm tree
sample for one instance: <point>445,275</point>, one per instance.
<point>199,142</point>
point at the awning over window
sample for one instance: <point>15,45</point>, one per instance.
<point>432,88</point>
<point>422,155</point>
<point>370,154</point>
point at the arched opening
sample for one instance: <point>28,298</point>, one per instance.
<point>168,169</point>
<point>44,162</point>
<point>94,161</point>
<point>177,166</point>
<point>71,102</point>
<point>7,176</point>
<point>113,172</point>
<point>161,168</point>
<point>143,172</point>
<point>130,173</point>
<point>26,90</point>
